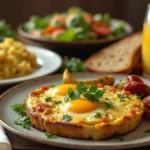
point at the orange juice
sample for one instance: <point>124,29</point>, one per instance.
<point>146,49</point>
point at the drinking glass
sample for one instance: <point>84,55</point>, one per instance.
<point>146,44</point>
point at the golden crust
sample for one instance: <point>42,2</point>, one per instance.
<point>96,132</point>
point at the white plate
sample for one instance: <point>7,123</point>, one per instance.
<point>18,94</point>
<point>48,61</point>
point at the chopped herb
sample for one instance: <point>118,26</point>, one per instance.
<point>128,97</point>
<point>109,104</point>
<point>57,102</point>
<point>81,87</point>
<point>92,92</point>
<point>66,118</point>
<point>50,136</point>
<point>48,99</point>
<point>52,85</point>
<point>23,122</point>
<point>97,115</point>
<point>121,97</point>
<point>107,98</point>
<point>106,115</point>
<point>120,138</point>
<point>19,109</point>
<point>147,131</point>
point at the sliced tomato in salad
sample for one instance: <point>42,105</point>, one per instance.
<point>101,28</point>
<point>50,29</point>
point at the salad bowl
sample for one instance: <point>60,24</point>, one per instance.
<point>71,32</point>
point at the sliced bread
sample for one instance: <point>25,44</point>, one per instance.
<point>120,57</point>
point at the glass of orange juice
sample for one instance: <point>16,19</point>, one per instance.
<point>146,44</point>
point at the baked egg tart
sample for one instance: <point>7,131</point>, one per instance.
<point>84,111</point>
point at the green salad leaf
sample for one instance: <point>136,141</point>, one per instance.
<point>78,22</point>
<point>38,23</point>
<point>6,31</point>
<point>102,18</point>
<point>67,36</point>
<point>119,29</point>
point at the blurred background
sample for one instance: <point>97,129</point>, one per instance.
<point>17,11</point>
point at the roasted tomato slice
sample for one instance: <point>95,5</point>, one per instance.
<point>101,28</point>
<point>41,107</point>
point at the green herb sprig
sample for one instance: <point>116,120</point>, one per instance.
<point>19,109</point>
<point>23,120</point>
<point>50,136</point>
<point>92,92</point>
<point>66,118</point>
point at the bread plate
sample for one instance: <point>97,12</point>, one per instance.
<point>18,93</point>
<point>67,48</point>
<point>47,60</point>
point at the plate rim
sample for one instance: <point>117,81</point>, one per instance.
<point>62,144</point>
<point>26,78</point>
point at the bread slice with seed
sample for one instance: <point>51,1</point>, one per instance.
<point>120,57</point>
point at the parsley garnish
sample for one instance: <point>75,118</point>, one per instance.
<point>109,104</point>
<point>92,92</point>
<point>147,131</point>
<point>57,102</point>
<point>121,97</point>
<point>19,109</point>
<point>66,118</point>
<point>97,115</point>
<point>50,136</point>
<point>127,96</point>
<point>23,122</point>
<point>107,98</point>
<point>48,99</point>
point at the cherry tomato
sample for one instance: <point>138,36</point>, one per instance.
<point>101,28</point>
<point>138,88</point>
<point>133,78</point>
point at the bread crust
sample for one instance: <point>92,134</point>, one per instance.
<point>95,132</point>
<point>133,58</point>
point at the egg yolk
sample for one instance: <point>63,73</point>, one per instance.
<point>80,106</point>
<point>62,90</point>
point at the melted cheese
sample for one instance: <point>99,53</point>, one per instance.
<point>110,106</point>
